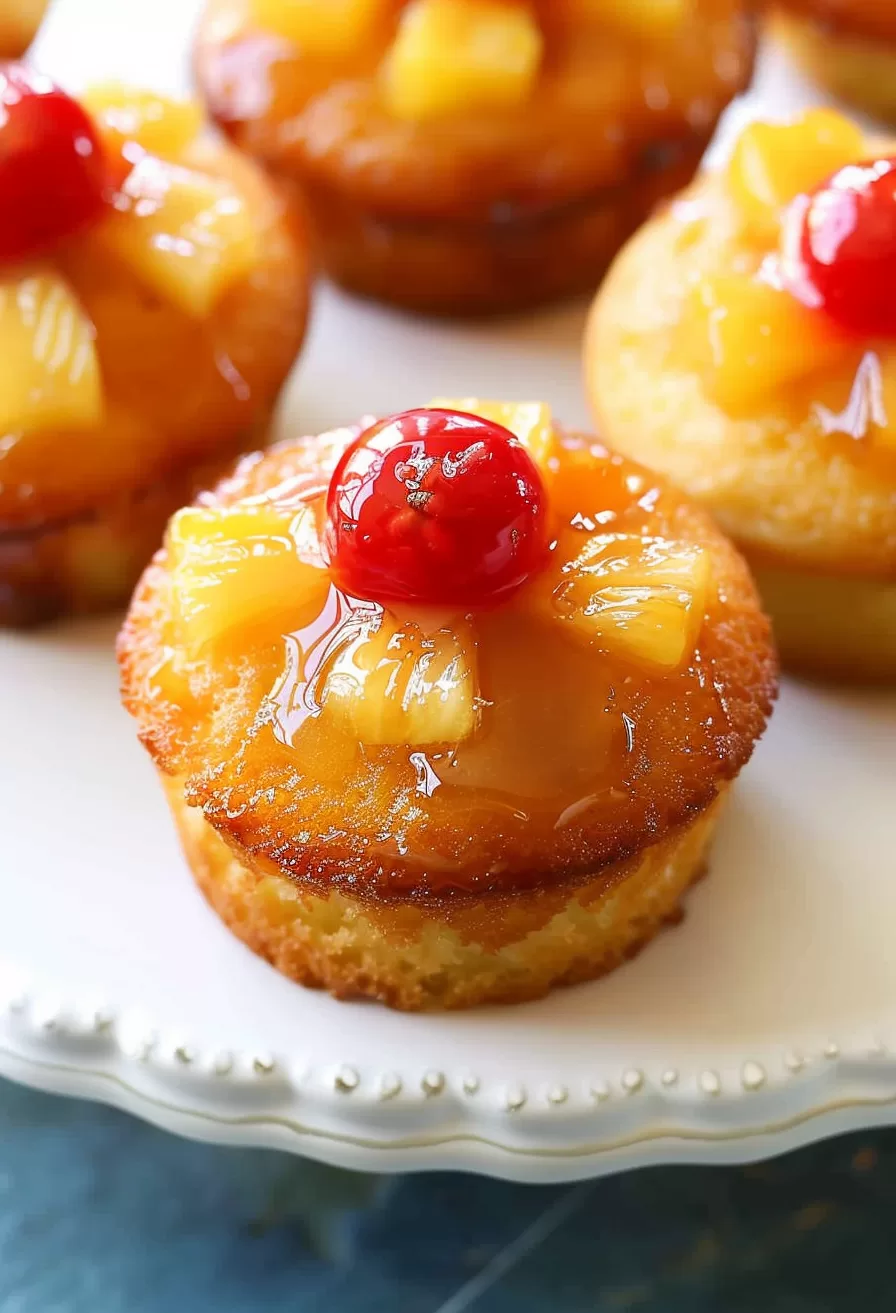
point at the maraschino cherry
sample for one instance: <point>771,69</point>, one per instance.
<point>846,247</point>
<point>52,171</point>
<point>437,507</point>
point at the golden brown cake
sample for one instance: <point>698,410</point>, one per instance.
<point>745,344</point>
<point>848,46</point>
<point>19,21</point>
<point>466,156</point>
<point>445,706</point>
<point>153,294</point>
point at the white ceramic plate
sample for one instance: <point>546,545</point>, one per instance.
<point>766,1019</point>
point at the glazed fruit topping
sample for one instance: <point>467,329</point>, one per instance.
<point>847,247</point>
<point>459,55</point>
<point>52,168</point>
<point>436,507</point>
<point>773,163</point>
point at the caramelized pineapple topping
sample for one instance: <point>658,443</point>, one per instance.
<point>395,684</point>
<point>321,30</point>
<point>241,569</point>
<point>529,421</point>
<point>773,163</point>
<point>156,123</point>
<point>459,55</point>
<point>49,373</point>
<point>405,673</point>
<point>640,598</point>
<point>185,234</point>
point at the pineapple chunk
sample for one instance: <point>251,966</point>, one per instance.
<point>237,569</point>
<point>772,163</point>
<point>335,27</point>
<point>161,126</point>
<point>529,421</point>
<point>461,55</point>
<point>749,337</point>
<point>647,18</point>
<point>392,684</point>
<point>643,599</point>
<point>49,373</point>
<point>187,235</point>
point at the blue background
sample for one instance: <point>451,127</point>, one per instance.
<point>100,1213</point>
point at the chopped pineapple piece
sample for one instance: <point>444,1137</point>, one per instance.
<point>649,18</point>
<point>749,337</point>
<point>530,421</point>
<point>187,235</point>
<point>643,599</point>
<point>393,684</point>
<point>49,373</point>
<point>772,163</point>
<point>161,126</point>
<point>236,569</point>
<point>334,27</point>
<point>460,55</point>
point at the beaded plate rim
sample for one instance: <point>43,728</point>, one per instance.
<point>389,1121</point>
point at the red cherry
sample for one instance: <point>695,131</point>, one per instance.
<point>437,507</point>
<point>846,248</point>
<point>52,170</point>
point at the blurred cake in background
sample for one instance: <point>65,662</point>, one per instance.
<point>19,21</point>
<point>466,156</point>
<point>744,343</point>
<point>153,294</point>
<point>849,46</point>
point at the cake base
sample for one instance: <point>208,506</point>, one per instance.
<point>492,948</point>
<point>857,68</point>
<point>832,627</point>
<point>91,562</point>
<point>515,260</point>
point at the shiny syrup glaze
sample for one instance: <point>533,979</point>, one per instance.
<point>53,170</point>
<point>578,758</point>
<point>435,507</point>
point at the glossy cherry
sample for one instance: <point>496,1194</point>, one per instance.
<point>52,171</point>
<point>436,507</point>
<point>846,247</point>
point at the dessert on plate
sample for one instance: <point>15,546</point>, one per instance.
<point>744,343</point>
<point>466,156</point>
<point>152,297</point>
<point>445,705</point>
<point>847,45</point>
<point>19,21</point>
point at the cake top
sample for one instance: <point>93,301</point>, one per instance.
<point>793,294</point>
<point>451,97</point>
<point>456,646</point>
<point>756,304</point>
<point>122,235</point>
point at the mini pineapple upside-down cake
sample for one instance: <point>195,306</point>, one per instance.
<point>745,344</point>
<point>19,21</point>
<point>467,156</point>
<point>847,45</point>
<point>152,298</point>
<point>445,706</point>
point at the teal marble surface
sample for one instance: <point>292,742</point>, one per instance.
<point>100,1213</point>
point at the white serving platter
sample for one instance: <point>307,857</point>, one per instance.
<point>765,1020</point>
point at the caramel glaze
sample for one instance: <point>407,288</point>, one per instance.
<point>580,759</point>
